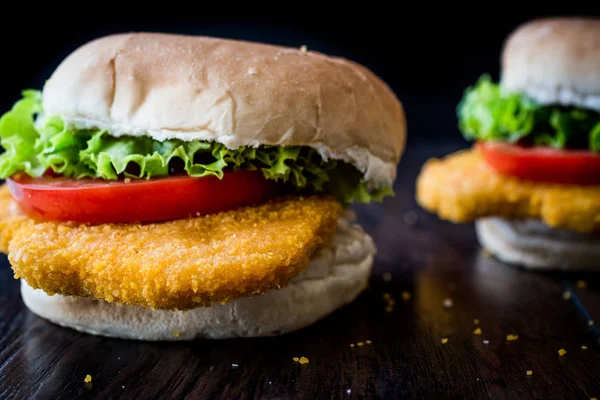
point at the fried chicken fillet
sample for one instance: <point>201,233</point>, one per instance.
<point>461,187</point>
<point>174,265</point>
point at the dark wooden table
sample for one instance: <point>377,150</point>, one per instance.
<point>405,358</point>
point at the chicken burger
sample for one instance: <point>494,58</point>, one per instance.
<point>171,187</point>
<point>531,182</point>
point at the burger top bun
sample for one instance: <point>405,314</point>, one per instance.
<point>235,92</point>
<point>555,61</point>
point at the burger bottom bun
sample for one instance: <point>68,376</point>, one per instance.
<point>335,277</point>
<point>534,245</point>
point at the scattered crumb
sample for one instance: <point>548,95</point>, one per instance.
<point>444,340</point>
<point>303,48</point>
<point>486,342</point>
<point>296,359</point>
<point>477,331</point>
<point>303,360</point>
<point>359,344</point>
<point>567,295</point>
<point>88,379</point>
<point>390,302</point>
<point>410,218</point>
<point>234,365</point>
<point>584,347</point>
<point>591,322</point>
<point>252,71</point>
<point>529,373</point>
<point>562,352</point>
<point>127,180</point>
<point>176,334</point>
<point>448,303</point>
<point>510,337</point>
<point>476,321</point>
<point>352,344</point>
<point>581,284</point>
<point>387,276</point>
<point>406,296</point>
<point>368,342</point>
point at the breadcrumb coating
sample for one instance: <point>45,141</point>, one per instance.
<point>174,265</point>
<point>462,188</point>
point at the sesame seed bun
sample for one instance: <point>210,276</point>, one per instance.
<point>555,61</point>
<point>533,245</point>
<point>235,92</point>
<point>335,277</point>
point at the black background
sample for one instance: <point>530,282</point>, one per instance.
<point>426,53</point>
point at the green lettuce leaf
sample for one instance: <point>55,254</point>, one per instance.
<point>486,112</point>
<point>35,143</point>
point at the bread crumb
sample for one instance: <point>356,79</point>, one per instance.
<point>566,295</point>
<point>444,340</point>
<point>581,284</point>
<point>529,373</point>
<point>252,71</point>
<point>127,180</point>
<point>303,48</point>
<point>584,347</point>
<point>447,303</point>
<point>296,359</point>
<point>477,331</point>
<point>303,360</point>
<point>390,302</point>
<point>406,296</point>
<point>476,321</point>
<point>176,334</point>
<point>352,345</point>
<point>562,352</point>
<point>486,342</point>
<point>359,344</point>
<point>88,379</point>
<point>387,276</point>
<point>368,342</point>
<point>591,322</point>
<point>510,337</point>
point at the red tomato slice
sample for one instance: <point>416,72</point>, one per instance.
<point>97,201</point>
<point>542,164</point>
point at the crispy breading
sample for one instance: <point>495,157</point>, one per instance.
<point>174,265</point>
<point>462,188</point>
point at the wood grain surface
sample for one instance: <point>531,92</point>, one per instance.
<point>424,265</point>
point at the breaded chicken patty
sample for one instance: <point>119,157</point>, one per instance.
<point>462,188</point>
<point>174,265</point>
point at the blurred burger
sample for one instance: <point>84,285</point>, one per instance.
<point>169,187</point>
<point>532,179</point>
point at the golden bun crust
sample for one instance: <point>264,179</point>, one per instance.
<point>234,92</point>
<point>555,61</point>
